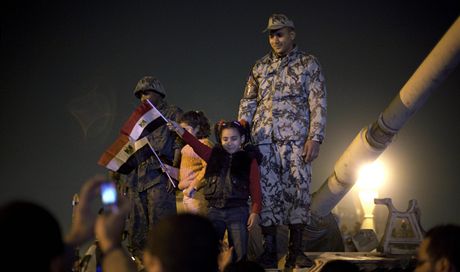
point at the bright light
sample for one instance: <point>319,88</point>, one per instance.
<point>371,176</point>
<point>367,201</point>
<point>370,179</point>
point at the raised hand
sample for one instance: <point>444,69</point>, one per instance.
<point>83,224</point>
<point>174,126</point>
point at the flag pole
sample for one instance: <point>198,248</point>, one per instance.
<point>150,103</point>
<point>153,150</point>
<point>161,164</point>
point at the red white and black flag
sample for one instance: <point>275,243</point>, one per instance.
<point>132,147</point>
<point>145,119</point>
<point>124,155</point>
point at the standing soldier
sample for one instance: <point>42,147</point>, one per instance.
<point>285,103</point>
<point>150,190</point>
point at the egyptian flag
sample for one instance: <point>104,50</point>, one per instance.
<point>145,119</point>
<point>123,156</point>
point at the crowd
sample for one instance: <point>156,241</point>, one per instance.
<point>184,242</point>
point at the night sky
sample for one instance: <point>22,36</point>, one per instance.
<point>68,69</point>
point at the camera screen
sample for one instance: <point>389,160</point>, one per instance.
<point>109,193</point>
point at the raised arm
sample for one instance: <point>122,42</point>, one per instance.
<point>200,149</point>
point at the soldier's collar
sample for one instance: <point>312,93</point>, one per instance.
<point>288,55</point>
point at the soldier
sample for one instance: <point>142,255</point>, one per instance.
<point>149,188</point>
<point>285,103</point>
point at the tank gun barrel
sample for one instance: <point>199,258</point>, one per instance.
<point>372,140</point>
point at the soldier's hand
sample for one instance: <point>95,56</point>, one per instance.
<point>174,126</point>
<point>170,187</point>
<point>172,171</point>
<point>310,151</point>
<point>114,176</point>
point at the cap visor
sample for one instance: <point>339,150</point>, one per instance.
<point>275,27</point>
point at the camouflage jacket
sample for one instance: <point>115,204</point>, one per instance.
<point>285,99</point>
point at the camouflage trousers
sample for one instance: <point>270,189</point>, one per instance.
<point>147,208</point>
<point>285,183</point>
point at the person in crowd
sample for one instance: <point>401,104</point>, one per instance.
<point>440,250</point>
<point>340,266</point>
<point>182,243</point>
<point>244,266</point>
<point>33,240</point>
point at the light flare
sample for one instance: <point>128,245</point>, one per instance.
<point>370,179</point>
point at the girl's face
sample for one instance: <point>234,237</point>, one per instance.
<point>231,140</point>
<point>189,128</point>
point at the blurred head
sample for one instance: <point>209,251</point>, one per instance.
<point>440,249</point>
<point>196,123</point>
<point>31,237</point>
<point>181,243</point>
<point>244,266</point>
<point>231,135</point>
<point>340,266</point>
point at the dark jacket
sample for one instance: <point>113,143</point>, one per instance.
<point>227,178</point>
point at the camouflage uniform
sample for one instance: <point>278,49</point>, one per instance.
<point>285,103</point>
<point>148,186</point>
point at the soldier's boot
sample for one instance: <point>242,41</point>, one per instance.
<point>296,258</point>
<point>269,258</point>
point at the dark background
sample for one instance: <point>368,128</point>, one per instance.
<point>68,69</point>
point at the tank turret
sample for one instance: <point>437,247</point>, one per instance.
<point>372,140</point>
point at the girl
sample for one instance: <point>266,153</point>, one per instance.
<point>192,167</point>
<point>232,175</point>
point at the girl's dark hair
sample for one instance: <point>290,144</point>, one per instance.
<point>242,127</point>
<point>197,119</point>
